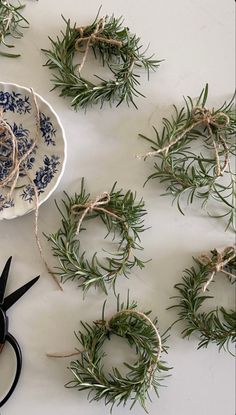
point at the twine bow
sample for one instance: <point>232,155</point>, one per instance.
<point>202,116</point>
<point>93,38</point>
<point>218,263</point>
<point>8,142</point>
<point>92,205</point>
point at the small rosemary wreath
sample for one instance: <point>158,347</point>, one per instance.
<point>118,49</point>
<point>121,215</point>
<point>205,175</point>
<point>147,372</point>
<point>11,24</point>
<point>219,325</point>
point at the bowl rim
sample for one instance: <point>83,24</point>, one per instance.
<point>47,195</point>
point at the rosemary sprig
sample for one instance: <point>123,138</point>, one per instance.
<point>205,175</point>
<point>147,372</point>
<point>11,24</point>
<point>122,61</point>
<point>216,326</point>
<point>123,218</point>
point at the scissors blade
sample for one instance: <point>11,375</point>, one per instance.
<point>3,279</point>
<point>14,297</point>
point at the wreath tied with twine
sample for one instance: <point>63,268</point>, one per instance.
<point>185,172</point>
<point>147,372</point>
<point>219,325</point>
<point>121,215</point>
<point>117,48</point>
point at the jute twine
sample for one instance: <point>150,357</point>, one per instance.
<point>202,116</point>
<point>10,180</point>
<point>94,37</point>
<point>219,263</point>
<point>152,368</point>
<point>8,141</point>
<point>93,205</point>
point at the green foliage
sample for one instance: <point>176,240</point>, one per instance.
<point>66,245</point>
<point>11,24</point>
<point>145,373</point>
<point>122,62</point>
<point>217,326</point>
<point>188,176</point>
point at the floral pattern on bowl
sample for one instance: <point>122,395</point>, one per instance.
<point>45,164</point>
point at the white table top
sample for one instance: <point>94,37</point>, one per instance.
<point>196,39</point>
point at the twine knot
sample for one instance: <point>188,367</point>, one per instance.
<point>94,37</point>
<point>201,115</point>
<point>95,204</point>
<point>100,200</point>
<point>205,116</point>
<point>218,262</point>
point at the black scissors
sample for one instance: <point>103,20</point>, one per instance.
<point>5,336</point>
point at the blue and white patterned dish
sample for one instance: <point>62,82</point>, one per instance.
<point>46,163</point>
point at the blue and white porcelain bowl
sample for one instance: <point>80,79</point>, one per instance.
<point>46,163</point>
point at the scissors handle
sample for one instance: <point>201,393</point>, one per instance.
<point>14,344</point>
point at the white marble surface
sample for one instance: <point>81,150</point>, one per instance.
<point>196,39</point>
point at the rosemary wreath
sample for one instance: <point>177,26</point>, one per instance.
<point>121,215</point>
<point>11,23</point>
<point>117,49</point>
<point>147,372</point>
<point>219,325</point>
<point>205,175</point>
